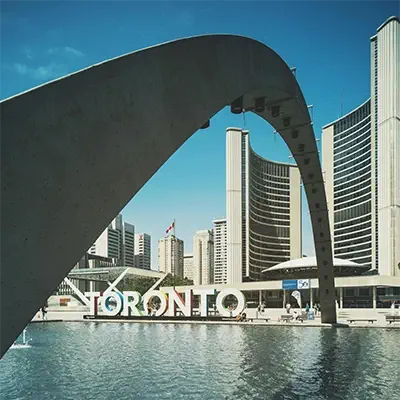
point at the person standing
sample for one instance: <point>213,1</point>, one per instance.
<point>288,307</point>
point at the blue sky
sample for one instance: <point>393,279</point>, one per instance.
<point>328,42</point>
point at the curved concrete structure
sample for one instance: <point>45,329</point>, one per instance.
<point>307,267</point>
<point>76,150</point>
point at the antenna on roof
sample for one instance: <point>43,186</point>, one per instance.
<point>341,103</point>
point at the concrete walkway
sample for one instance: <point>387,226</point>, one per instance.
<point>77,316</point>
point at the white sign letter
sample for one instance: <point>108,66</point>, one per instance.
<point>105,306</point>
<point>241,302</point>
<point>203,299</point>
<point>163,299</point>
<point>174,299</point>
<point>93,296</point>
<point>131,305</point>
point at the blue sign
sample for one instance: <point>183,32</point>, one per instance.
<point>289,284</point>
<point>296,284</point>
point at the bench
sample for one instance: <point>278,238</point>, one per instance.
<point>392,318</point>
<point>266,319</point>
<point>287,317</point>
<point>371,320</point>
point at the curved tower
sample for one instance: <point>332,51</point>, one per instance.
<point>361,163</point>
<point>348,161</point>
<point>263,210</point>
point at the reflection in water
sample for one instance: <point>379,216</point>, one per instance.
<point>147,361</point>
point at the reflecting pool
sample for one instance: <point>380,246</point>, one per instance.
<point>166,361</point>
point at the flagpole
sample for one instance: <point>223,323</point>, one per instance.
<point>174,229</point>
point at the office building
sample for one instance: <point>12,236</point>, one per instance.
<point>203,257</point>
<point>116,242</point>
<point>361,163</point>
<point>142,251</point>
<point>188,266</point>
<point>220,251</point>
<point>263,202</point>
<point>170,255</point>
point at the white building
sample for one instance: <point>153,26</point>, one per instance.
<point>220,251</point>
<point>142,251</point>
<point>117,242</point>
<point>263,206</point>
<point>170,255</point>
<point>361,163</point>
<point>203,257</point>
<point>188,266</point>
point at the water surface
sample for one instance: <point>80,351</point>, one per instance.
<point>150,361</point>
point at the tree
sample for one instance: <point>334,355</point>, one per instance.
<point>173,280</point>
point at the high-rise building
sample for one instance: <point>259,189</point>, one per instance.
<point>263,202</point>
<point>188,266</point>
<point>361,163</point>
<point>142,251</point>
<point>203,257</point>
<point>220,251</point>
<point>116,242</point>
<point>170,255</point>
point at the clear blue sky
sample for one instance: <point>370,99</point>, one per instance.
<point>328,42</point>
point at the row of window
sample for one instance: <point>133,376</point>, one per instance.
<point>263,190</point>
<point>353,158</point>
<point>353,202</point>
<point>270,230</point>
<point>353,189</point>
<point>266,244</point>
<point>354,212</point>
<point>268,238</point>
<point>268,178</point>
<point>268,167</point>
<point>264,183</point>
<point>356,116</point>
<point>354,173</point>
<point>347,197</point>
<point>363,237</point>
<point>357,168</point>
<point>352,153</point>
<point>354,229</point>
<point>267,252</point>
<point>355,249</point>
<point>268,213</point>
<point>352,133</point>
<point>358,139</point>
<point>268,221</point>
<point>282,208</point>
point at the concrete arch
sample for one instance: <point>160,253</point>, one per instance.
<point>76,150</point>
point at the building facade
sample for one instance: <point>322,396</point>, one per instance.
<point>263,202</point>
<point>220,251</point>
<point>188,266</point>
<point>361,163</point>
<point>170,256</point>
<point>143,251</point>
<point>203,257</point>
<point>117,241</point>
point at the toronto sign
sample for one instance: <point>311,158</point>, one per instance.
<point>129,303</point>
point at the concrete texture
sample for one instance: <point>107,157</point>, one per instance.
<point>76,150</point>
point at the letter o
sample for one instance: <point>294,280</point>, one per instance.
<point>105,306</point>
<point>163,299</point>
<point>230,292</point>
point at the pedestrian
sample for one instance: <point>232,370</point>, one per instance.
<point>288,306</point>
<point>307,308</point>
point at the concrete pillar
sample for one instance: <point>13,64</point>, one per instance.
<point>373,296</point>
<point>259,297</point>
<point>284,298</point>
<point>341,297</point>
<point>311,298</point>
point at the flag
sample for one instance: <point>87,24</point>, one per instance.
<point>296,294</point>
<point>170,228</point>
